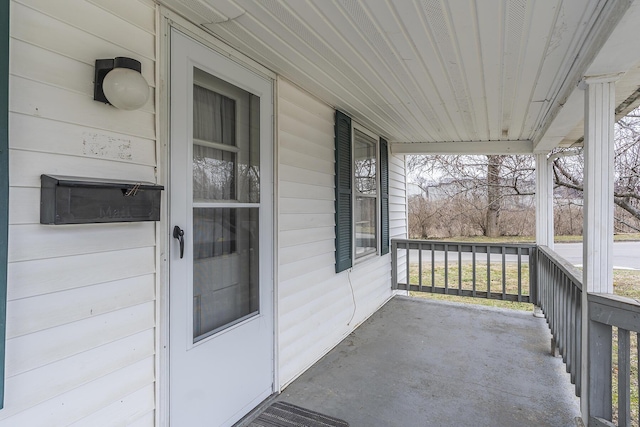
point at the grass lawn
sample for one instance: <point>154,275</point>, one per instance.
<point>511,285</point>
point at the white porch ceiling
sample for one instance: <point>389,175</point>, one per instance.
<point>494,74</point>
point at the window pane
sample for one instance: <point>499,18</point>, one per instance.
<point>214,173</point>
<point>226,120</point>
<point>214,117</point>
<point>225,268</point>
<point>365,164</point>
<point>365,223</point>
<point>366,191</point>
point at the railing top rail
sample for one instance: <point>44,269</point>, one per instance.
<point>614,301</point>
<point>567,268</point>
<point>477,244</point>
<point>615,310</point>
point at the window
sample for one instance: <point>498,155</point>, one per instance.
<point>362,193</point>
<point>365,210</point>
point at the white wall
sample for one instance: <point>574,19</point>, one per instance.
<point>81,298</point>
<point>316,306</point>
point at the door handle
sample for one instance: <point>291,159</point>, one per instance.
<point>178,233</point>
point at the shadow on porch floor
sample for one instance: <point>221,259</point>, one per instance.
<point>431,363</point>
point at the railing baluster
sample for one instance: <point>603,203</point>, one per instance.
<point>473,269</point>
<point>554,306</point>
<point>532,280</point>
<point>552,311</point>
<point>566,310</point>
<point>567,322</point>
<point>624,378</point>
<point>520,278</point>
<point>579,345</point>
<point>488,271</point>
<point>408,267</point>
<point>572,333</point>
<point>446,269</point>
<point>459,270</point>
<point>504,273</point>
<point>433,267</point>
<point>562,335</point>
<point>545,301</point>
<point>420,267</point>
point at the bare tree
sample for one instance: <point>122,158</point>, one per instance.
<point>568,172</point>
<point>494,164</point>
<point>483,182</point>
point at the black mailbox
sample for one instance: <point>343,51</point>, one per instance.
<point>68,200</point>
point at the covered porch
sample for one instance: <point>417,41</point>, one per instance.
<point>416,77</point>
<point>427,362</point>
<point>419,362</point>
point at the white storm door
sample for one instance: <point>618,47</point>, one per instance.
<point>221,290</point>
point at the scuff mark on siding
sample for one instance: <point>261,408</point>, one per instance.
<point>106,146</point>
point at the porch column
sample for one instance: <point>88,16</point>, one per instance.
<point>598,184</point>
<point>544,213</point>
<point>544,202</point>
<point>597,273</point>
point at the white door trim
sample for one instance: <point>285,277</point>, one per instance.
<point>165,22</point>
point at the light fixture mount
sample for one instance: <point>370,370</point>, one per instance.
<point>114,84</point>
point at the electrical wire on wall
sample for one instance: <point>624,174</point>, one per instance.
<point>353,296</point>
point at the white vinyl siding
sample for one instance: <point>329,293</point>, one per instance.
<point>316,305</point>
<point>81,298</point>
<point>398,220</point>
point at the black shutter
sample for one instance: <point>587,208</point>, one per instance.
<point>344,231</point>
<point>384,197</point>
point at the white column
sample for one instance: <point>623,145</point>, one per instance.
<point>598,184</point>
<point>597,260</point>
<point>544,202</point>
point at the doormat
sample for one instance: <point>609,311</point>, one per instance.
<point>282,414</point>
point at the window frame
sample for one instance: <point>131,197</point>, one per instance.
<point>357,258</point>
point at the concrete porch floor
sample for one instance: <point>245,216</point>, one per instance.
<point>429,363</point>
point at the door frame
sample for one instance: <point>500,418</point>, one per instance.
<point>166,22</point>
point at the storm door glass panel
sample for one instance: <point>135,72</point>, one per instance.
<point>226,196</point>
<point>366,194</point>
<point>226,138</point>
<point>225,268</point>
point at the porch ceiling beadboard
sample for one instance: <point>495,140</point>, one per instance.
<point>426,71</point>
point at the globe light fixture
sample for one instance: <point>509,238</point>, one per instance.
<point>119,82</point>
